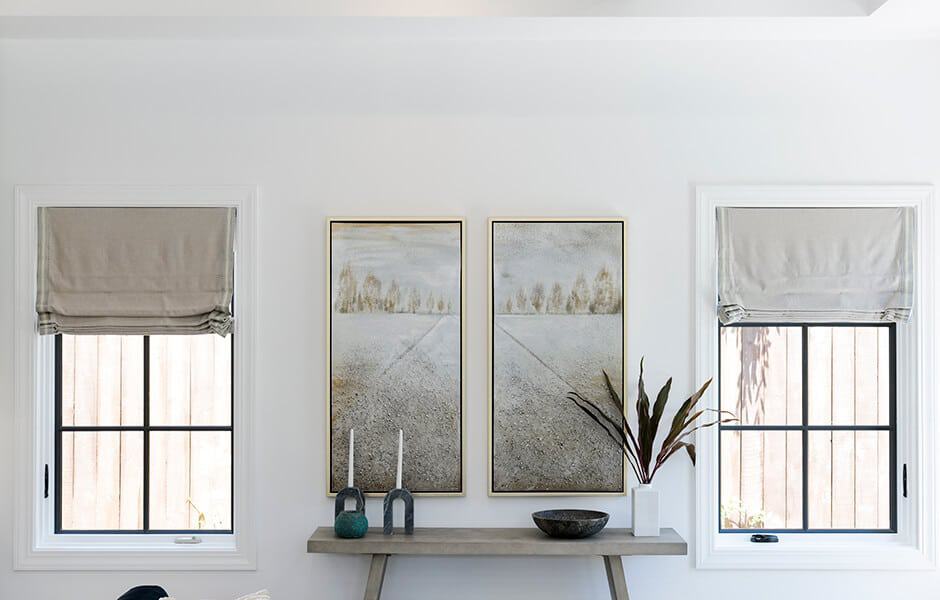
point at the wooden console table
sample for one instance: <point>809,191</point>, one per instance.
<point>610,544</point>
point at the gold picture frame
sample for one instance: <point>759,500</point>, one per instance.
<point>491,301</point>
<point>396,221</point>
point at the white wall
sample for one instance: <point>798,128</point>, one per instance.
<point>348,126</point>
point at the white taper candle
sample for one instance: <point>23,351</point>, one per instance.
<point>401,439</point>
<point>352,445</point>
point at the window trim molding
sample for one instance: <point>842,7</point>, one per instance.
<point>35,545</point>
<point>914,546</point>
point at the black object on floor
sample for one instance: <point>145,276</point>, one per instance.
<point>145,592</point>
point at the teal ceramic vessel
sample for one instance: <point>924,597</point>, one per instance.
<point>351,524</point>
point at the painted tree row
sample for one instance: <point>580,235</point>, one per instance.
<point>603,297</point>
<point>351,297</point>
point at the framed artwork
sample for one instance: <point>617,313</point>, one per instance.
<point>395,353</point>
<point>556,323</point>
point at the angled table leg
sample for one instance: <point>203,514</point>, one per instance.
<point>376,577</point>
<point>615,578</point>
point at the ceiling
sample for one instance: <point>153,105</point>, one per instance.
<point>532,8</point>
<point>532,19</point>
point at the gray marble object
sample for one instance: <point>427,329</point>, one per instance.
<point>570,523</point>
<point>390,498</point>
<point>345,494</point>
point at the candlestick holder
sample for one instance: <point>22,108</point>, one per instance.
<point>405,496</point>
<point>350,523</point>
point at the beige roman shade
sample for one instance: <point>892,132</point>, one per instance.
<point>127,271</point>
<point>815,264</point>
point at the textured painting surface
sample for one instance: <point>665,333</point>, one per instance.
<point>557,295</point>
<point>396,353</point>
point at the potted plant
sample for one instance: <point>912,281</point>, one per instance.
<point>637,444</point>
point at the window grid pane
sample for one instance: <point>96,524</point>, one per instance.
<point>849,480</point>
<point>190,380</point>
<point>859,493</point>
<point>102,480</point>
<point>105,467</point>
<point>849,375</point>
<point>761,486</point>
<point>761,370</point>
<point>114,395</point>
<point>190,480</point>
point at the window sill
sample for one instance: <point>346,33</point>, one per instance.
<point>135,553</point>
<point>814,552</point>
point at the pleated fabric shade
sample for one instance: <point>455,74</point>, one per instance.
<point>815,264</point>
<point>132,271</point>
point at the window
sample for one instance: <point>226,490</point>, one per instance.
<point>813,449</point>
<point>832,455</point>
<point>143,434</point>
<point>101,404</point>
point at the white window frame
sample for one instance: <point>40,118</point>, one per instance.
<point>36,545</point>
<point>914,545</point>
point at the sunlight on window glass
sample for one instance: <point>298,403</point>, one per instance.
<point>761,374</point>
<point>190,380</point>
<point>849,483</point>
<point>761,481</point>
<point>849,375</point>
<point>102,480</point>
<point>102,382</point>
<point>190,480</point>
<point>848,379</point>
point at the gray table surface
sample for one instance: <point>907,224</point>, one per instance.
<point>487,541</point>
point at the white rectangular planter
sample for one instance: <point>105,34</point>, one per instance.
<point>645,511</point>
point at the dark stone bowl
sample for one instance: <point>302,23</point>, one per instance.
<point>570,523</point>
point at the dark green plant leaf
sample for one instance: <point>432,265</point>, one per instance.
<point>593,411</point>
<point>614,396</point>
<point>686,406</point>
<point>623,437</point>
<point>682,415</point>
<point>638,446</point>
<point>690,449</point>
<point>672,450</point>
<point>658,408</point>
<point>668,450</point>
<point>597,415</point>
<point>643,420</point>
<point>618,403</point>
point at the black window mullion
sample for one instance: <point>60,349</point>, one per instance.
<point>146,433</point>
<point>58,433</point>
<point>96,428</point>
<point>231,423</point>
<point>893,421</point>
<point>805,421</point>
<point>802,427</point>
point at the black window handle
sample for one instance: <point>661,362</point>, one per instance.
<point>904,480</point>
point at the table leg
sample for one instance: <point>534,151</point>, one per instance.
<point>615,578</point>
<point>376,577</point>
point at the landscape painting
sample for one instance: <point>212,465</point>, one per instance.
<point>556,324</point>
<point>396,352</point>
